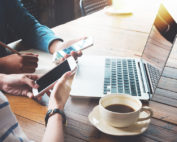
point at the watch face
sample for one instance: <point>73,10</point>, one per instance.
<point>50,112</point>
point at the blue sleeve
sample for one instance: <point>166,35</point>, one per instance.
<point>33,34</point>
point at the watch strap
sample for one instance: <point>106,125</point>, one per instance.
<point>51,112</point>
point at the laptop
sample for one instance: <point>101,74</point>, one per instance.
<point>98,76</point>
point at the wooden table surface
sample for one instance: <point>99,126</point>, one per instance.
<point>118,36</point>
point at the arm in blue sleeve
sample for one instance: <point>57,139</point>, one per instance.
<point>30,30</point>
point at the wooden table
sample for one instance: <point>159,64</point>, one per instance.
<point>118,36</point>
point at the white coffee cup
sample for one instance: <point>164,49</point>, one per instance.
<point>117,119</point>
<point>121,4</point>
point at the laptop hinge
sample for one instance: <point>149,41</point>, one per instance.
<point>145,79</point>
<point>148,77</point>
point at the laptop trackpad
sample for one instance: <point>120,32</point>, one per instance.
<point>88,81</point>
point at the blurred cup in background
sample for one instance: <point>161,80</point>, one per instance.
<point>121,4</point>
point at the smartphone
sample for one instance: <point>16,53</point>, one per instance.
<point>47,80</point>
<point>80,45</point>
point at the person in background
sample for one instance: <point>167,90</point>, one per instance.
<point>17,84</point>
<point>33,35</point>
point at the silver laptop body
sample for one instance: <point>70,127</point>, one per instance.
<point>98,76</point>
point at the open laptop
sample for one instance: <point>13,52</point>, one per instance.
<point>98,76</point>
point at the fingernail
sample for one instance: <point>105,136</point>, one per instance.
<point>69,74</point>
<point>30,96</point>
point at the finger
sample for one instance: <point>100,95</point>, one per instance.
<point>66,56</point>
<point>30,58</point>
<point>51,87</point>
<point>60,82</point>
<point>28,70</point>
<point>30,54</point>
<point>39,98</point>
<point>74,54</point>
<point>30,64</point>
<point>30,82</point>
<point>30,95</point>
<point>79,53</point>
<point>33,77</point>
<point>48,93</point>
<point>61,60</point>
<point>29,67</point>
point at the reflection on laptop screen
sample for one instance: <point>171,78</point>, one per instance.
<point>160,40</point>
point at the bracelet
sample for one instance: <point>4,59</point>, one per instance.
<point>51,112</point>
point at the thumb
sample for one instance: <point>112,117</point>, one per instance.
<point>33,76</point>
<point>63,79</point>
<point>30,82</point>
<point>29,94</point>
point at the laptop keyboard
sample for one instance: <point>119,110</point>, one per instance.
<point>121,77</point>
<point>154,75</point>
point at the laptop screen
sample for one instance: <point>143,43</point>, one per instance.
<point>161,39</point>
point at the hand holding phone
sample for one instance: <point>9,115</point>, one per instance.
<point>80,45</point>
<point>46,81</point>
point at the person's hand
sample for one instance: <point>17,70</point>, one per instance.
<point>25,63</point>
<point>58,45</point>
<point>17,84</point>
<point>60,93</point>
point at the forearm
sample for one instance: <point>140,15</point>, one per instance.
<point>27,27</point>
<point>54,129</point>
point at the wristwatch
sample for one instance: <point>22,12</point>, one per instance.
<point>51,112</point>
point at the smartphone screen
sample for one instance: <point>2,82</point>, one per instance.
<point>70,49</point>
<point>80,45</point>
<point>53,75</point>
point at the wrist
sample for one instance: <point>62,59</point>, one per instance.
<point>54,46</point>
<point>54,105</point>
<point>55,114</point>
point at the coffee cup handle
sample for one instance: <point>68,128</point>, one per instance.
<point>147,109</point>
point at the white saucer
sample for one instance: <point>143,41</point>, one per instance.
<point>135,129</point>
<point>112,11</point>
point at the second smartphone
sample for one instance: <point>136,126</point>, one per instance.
<point>80,45</point>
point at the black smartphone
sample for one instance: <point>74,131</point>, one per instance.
<point>48,79</point>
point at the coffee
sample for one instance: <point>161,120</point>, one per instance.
<point>120,108</point>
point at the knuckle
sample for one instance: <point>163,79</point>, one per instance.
<point>24,92</point>
<point>20,66</point>
<point>5,87</point>
<point>20,58</point>
<point>36,65</point>
<point>23,77</point>
<point>32,70</point>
